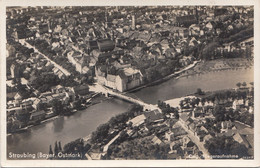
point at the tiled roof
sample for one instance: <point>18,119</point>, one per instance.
<point>106,45</point>
<point>37,113</point>
<point>81,90</point>
<point>138,120</point>
<point>156,140</point>
<point>111,78</point>
<point>153,115</point>
<point>184,117</point>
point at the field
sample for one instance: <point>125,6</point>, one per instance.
<point>219,64</point>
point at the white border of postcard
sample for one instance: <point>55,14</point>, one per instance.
<point>132,163</point>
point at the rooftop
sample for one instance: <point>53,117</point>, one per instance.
<point>37,113</point>
<point>138,120</point>
<point>130,71</point>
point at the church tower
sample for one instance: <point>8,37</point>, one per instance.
<point>133,22</point>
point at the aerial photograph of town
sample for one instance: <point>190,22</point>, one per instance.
<point>129,82</point>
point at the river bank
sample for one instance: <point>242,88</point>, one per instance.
<point>201,67</point>
<point>158,81</point>
<point>117,131</point>
<point>219,65</point>
<point>93,100</point>
<point>82,123</point>
<point>97,98</point>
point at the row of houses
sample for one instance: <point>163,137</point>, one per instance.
<point>40,107</point>
<point>194,120</point>
<point>195,126</point>
<point>153,116</point>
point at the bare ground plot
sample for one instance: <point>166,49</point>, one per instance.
<point>220,64</point>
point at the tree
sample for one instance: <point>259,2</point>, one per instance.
<point>100,134</point>
<point>192,103</point>
<point>176,114</point>
<point>244,84</point>
<point>87,147</point>
<point>203,100</point>
<point>57,106</point>
<point>199,91</point>
<point>159,103</point>
<point>56,149</point>
<point>50,150</point>
<point>238,149</point>
<point>44,82</point>
<point>130,124</point>
<point>181,104</point>
<point>76,146</point>
<point>60,148</point>
<point>219,113</point>
<point>77,104</point>
<point>225,145</point>
<point>238,84</point>
<point>208,51</point>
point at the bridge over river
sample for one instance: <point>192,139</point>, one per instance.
<point>101,89</point>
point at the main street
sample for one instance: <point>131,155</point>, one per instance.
<point>26,44</point>
<point>199,144</point>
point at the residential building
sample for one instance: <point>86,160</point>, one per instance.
<point>188,146</point>
<point>225,126</point>
<point>237,104</point>
<point>15,71</point>
<point>184,117</point>
<point>198,112</point>
<point>38,115</point>
<point>137,121</point>
<point>156,140</point>
<point>183,33</point>
<point>81,90</point>
<point>207,138</point>
<point>154,116</point>
<point>79,61</point>
<point>169,135</point>
<point>36,104</point>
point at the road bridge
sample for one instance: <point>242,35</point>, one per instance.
<point>101,89</point>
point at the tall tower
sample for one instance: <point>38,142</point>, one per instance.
<point>106,19</point>
<point>196,13</point>
<point>133,22</point>
<point>112,35</point>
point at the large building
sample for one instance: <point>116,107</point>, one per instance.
<point>105,45</point>
<point>79,61</point>
<point>128,78</point>
<point>15,71</point>
<point>186,20</point>
<point>133,22</point>
<point>124,79</point>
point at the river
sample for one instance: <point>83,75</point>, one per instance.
<point>210,81</point>
<point>66,129</point>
